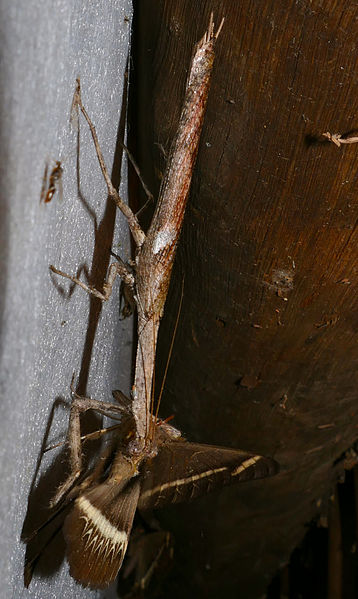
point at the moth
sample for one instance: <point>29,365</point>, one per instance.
<point>148,464</point>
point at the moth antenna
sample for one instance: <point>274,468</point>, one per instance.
<point>166,420</point>
<point>89,437</point>
<point>170,350</point>
<point>102,431</point>
<point>51,447</point>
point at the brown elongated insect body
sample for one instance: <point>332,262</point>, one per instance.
<point>151,464</point>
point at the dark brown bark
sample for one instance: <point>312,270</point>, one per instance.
<point>266,352</point>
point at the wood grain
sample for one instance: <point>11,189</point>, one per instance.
<point>267,348</point>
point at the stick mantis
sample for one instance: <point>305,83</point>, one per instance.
<point>153,465</point>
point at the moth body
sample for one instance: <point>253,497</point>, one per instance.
<point>169,470</point>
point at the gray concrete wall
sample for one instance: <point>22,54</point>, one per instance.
<point>46,335</point>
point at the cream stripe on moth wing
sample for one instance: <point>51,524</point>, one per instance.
<point>246,464</point>
<point>97,531</point>
<point>182,471</point>
<point>97,521</point>
<point>174,486</point>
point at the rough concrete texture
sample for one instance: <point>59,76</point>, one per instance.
<point>46,45</point>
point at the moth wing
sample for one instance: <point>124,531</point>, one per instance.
<point>182,471</point>
<point>97,531</point>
